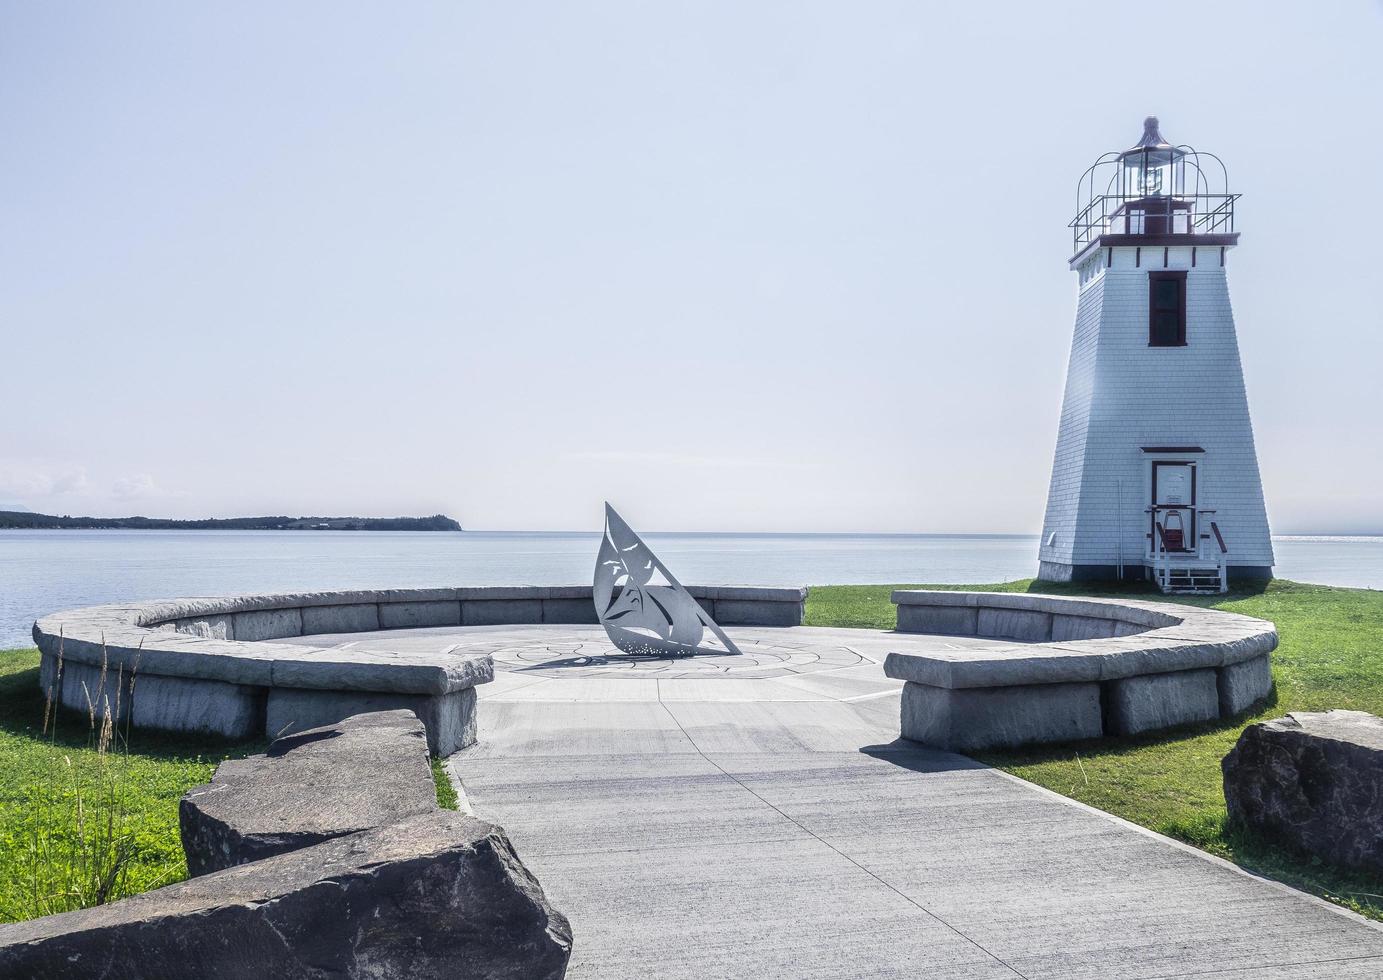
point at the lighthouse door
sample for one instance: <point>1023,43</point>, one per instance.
<point>1174,506</point>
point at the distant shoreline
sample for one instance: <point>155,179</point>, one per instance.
<point>25,521</point>
<point>20,520</point>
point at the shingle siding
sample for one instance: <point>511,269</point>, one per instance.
<point>1122,395</point>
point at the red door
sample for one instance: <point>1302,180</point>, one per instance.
<point>1174,505</point>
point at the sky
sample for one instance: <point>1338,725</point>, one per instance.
<point>786,266</point>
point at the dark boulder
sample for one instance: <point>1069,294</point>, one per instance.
<point>1313,780</point>
<point>366,771</point>
<point>437,896</point>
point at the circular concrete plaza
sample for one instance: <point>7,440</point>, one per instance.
<point>836,662</point>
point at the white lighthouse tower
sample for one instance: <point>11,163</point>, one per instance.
<point>1155,472</point>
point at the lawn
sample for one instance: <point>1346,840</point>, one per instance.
<point>1331,656</point>
<point>36,789</point>
<point>150,779</point>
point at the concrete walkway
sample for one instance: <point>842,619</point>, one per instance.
<point>696,822</point>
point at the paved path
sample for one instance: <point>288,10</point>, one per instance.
<point>758,819</point>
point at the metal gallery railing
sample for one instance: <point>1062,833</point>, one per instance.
<point>1189,214</point>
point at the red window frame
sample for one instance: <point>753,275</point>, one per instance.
<point>1156,331</point>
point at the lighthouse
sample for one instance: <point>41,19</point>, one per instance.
<point>1155,474</point>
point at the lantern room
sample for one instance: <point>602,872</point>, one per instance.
<point>1153,189</point>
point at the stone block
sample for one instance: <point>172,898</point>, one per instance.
<point>566,592</point>
<point>942,620</point>
<point>212,627</point>
<point>412,615</point>
<point>86,688</point>
<point>492,593</point>
<point>403,673</point>
<point>357,618</point>
<point>449,718</point>
<point>501,612</point>
<point>1066,628</point>
<point>393,597</point>
<point>1014,624</point>
<point>1153,701</point>
<point>268,624</point>
<point>972,719</point>
<point>48,675</point>
<point>435,897</point>
<point>937,597</point>
<point>1244,684</point>
<point>569,611</point>
<point>363,772</point>
<point>750,593</point>
<point>182,704</point>
<point>1313,780</point>
<point>757,612</point>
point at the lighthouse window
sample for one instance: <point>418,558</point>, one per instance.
<point>1166,309</point>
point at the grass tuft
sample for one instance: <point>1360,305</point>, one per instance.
<point>446,792</point>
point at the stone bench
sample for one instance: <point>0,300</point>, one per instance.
<point>229,665</point>
<point>1072,668</point>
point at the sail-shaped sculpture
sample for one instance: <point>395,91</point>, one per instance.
<point>640,617</point>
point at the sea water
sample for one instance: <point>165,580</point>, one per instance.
<point>46,571</point>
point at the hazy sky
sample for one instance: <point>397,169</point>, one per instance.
<point>734,266</point>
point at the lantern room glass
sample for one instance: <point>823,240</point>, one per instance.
<point>1152,172</point>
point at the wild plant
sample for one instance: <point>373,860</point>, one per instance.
<point>82,839</point>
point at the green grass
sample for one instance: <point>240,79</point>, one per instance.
<point>446,792</point>
<point>156,772</point>
<point>1331,656</point>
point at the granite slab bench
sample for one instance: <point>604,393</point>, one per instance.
<point>1072,668</point>
<point>234,666</point>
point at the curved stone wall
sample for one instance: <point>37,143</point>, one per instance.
<point>1080,668</point>
<point>1060,669</point>
<point>230,666</point>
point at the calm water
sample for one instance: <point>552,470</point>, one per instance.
<point>45,571</point>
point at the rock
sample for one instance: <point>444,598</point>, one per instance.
<point>364,772</point>
<point>1313,780</point>
<point>436,896</point>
